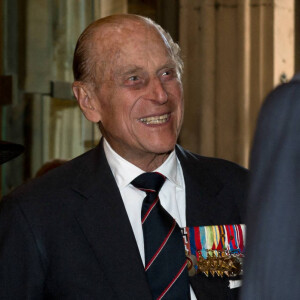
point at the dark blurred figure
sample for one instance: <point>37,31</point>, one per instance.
<point>9,151</point>
<point>272,267</point>
<point>50,165</point>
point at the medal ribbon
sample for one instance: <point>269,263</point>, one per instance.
<point>203,241</point>
<point>218,237</point>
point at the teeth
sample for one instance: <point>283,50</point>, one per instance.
<point>155,120</point>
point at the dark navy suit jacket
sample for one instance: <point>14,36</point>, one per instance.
<point>272,257</point>
<point>66,235</point>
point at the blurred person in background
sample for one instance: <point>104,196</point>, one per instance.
<point>273,222</point>
<point>9,151</point>
<point>50,165</point>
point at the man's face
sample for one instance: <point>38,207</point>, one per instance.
<point>139,98</point>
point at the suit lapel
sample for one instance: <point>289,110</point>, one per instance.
<point>105,223</point>
<point>201,189</point>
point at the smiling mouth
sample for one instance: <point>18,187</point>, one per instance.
<point>155,120</point>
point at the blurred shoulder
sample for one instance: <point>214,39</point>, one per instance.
<point>55,184</point>
<point>215,166</point>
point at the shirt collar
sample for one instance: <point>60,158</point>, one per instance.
<point>124,171</point>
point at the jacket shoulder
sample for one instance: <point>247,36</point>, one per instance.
<point>216,166</point>
<point>226,182</point>
<point>53,185</point>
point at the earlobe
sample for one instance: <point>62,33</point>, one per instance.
<point>85,101</point>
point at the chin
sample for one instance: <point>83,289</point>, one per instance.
<point>162,148</point>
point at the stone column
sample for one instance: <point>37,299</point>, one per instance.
<point>58,129</point>
<point>108,7</point>
<point>235,52</point>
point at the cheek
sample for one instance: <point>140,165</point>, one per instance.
<point>122,113</point>
<point>180,121</point>
<point>129,104</point>
<point>174,88</point>
<point>176,97</point>
<point>109,103</point>
<point>179,104</point>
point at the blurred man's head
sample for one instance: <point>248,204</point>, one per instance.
<point>127,78</point>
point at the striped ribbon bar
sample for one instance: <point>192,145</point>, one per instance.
<point>210,248</point>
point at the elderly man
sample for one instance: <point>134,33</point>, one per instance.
<point>109,224</point>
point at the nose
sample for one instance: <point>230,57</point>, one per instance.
<point>156,91</point>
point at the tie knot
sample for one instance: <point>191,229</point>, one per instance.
<point>149,182</point>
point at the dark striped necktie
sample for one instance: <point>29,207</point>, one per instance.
<point>165,262</point>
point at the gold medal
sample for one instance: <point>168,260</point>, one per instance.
<point>218,263</point>
<point>191,263</point>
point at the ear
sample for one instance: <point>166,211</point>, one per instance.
<point>86,101</point>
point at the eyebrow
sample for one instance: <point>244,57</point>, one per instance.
<point>170,65</point>
<point>128,70</point>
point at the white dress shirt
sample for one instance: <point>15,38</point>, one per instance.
<point>172,193</point>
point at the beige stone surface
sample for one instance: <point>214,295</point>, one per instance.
<point>235,52</point>
<point>107,7</point>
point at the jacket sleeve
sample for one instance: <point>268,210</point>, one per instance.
<point>21,270</point>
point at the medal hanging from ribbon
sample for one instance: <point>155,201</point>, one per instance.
<point>215,250</point>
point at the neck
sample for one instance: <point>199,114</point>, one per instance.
<point>149,164</point>
<point>146,161</point>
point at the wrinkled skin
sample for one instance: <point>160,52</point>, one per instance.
<point>136,78</point>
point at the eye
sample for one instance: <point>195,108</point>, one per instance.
<point>168,74</point>
<point>133,78</point>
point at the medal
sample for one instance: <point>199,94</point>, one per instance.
<point>214,250</point>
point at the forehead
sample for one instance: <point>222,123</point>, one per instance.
<point>134,43</point>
